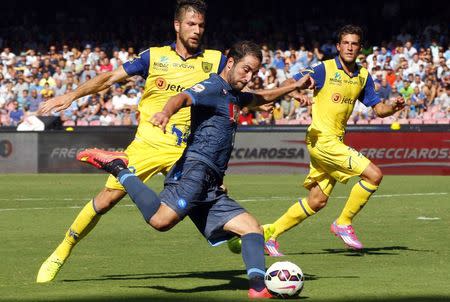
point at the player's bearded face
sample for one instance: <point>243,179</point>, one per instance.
<point>349,48</point>
<point>191,30</point>
<point>243,71</point>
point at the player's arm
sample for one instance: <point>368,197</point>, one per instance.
<point>138,66</point>
<point>265,96</point>
<point>371,99</point>
<point>94,85</point>
<point>172,106</point>
<point>383,110</point>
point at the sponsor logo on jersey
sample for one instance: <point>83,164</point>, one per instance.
<point>207,67</point>
<point>162,84</point>
<point>162,64</point>
<point>339,99</point>
<point>337,79</point>
<point>198,88</point>
<point>183,66</point>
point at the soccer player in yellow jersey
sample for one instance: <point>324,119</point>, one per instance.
<point>168,70</point>
<point>340,82</point>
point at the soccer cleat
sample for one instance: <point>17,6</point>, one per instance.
<point>110,161</point>
<point>347,234</point>
<point>49,269</point>
<point>264,294</point>
<point>272,248</point>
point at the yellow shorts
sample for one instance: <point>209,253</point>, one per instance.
<point>146,160</point>
<point>331,161</point>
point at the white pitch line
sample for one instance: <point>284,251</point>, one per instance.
<point>273,198</point>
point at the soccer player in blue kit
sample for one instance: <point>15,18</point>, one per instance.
<point>192,186</point>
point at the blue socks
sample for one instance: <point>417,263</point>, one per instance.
<point>253,256</point>
<point>145,198</point>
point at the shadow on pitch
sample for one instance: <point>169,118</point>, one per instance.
<point>377,251</point>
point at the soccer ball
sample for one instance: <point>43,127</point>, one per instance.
<point>284,279</point>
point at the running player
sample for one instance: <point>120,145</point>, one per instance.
<point>192,187</point>
<point>167,70</point>
<point>340,82</point>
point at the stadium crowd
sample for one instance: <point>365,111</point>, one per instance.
<point>419,73</point>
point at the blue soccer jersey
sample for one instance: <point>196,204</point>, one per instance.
<point>212,129</point>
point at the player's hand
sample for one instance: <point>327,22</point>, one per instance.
<point>55,104</point>
<point>398,104</point>
<point>306,82</point>
<point>303,99</point>
<point>160,120</point>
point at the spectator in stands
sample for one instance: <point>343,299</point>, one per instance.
<point>87,73</point>
<point>16,114</point>
<point>246,117</point>
<point>7,57</point>
<point>384,90</point>
<point>271,80</point>
<point>33,101</point>
<point>406,90</point>
<point>105,118</point>
<point>47,79</point>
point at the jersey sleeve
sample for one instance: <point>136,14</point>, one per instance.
<point>139,65</point>
<point>200,93</point>
<point>223,62</point>
<point>317,72</point>
<point>368,95</point>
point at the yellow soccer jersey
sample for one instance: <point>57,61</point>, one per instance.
<point>166,74</point>
<point>335,95</point>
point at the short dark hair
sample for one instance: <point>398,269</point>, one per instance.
<point>184,5</point>
<point>350,29</point>
<point>244,48</point>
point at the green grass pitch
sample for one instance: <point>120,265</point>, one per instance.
<point>405,228</point>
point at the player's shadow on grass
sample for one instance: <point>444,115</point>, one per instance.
<point>377,251</point>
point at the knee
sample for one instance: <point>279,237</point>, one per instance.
<point>376,176</point>
<point>317,203</point>
<point>160,224</point>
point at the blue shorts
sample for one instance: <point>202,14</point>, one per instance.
<point>192,188</point>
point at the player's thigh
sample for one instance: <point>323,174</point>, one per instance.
<point>211,217</point>
<point>243,224</point>
<point>318,179</point>
<point>338,160</point>
<point>146,160</point>
<point>184,186</point>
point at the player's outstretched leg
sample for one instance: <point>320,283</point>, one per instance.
<point>111,162</point>
<point>115,163</point>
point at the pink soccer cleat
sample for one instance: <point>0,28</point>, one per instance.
<point>347,234</point>
<point>272,248</point>
<point>110,161</point>
<point>264,294</point>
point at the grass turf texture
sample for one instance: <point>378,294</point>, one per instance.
<point>406,259</point>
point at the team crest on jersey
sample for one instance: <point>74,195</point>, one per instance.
<point>198,88</point>
<point>361,80</point>
<point>207,67</point>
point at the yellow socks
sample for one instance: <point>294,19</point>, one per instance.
<point>293,216</point>
<point>81,226</point>
<point>358,198</point>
